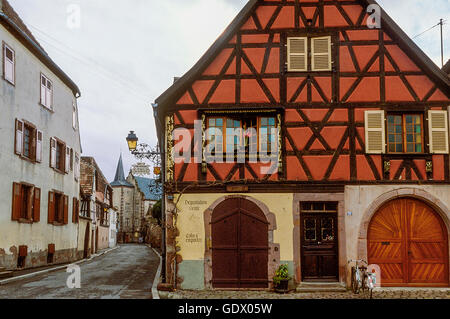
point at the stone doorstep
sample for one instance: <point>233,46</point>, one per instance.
<point>319,287</point>
<point>6,274</point>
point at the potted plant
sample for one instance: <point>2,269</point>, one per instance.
<point>281,279</point>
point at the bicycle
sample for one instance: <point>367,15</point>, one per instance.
<point>362,279</point>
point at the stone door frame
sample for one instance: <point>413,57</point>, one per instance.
<point>274,249</point>
<point>342,248</point>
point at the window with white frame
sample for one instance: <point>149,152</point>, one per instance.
<point>9,61</point>
<point>46,92</point>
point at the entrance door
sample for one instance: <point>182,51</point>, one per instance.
<point>320,262</point>
<point>408,240</point>
<point>240,245</point>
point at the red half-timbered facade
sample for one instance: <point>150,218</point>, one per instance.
<point>356,105</point>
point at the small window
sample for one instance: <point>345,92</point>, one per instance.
<point>74,116</point>
<point>233,135</point>
<point>26,202</point>
<point>252,133</point>
<point>28,142</point>
<point>267,134</point>
<point>59,208</point>
<point>46,92</point>
<point>215,134</point>
<point>60,151</point>
<point>299,48</point>
<point>59,155</point>
<point>9,64</point>
<point>405,133</point>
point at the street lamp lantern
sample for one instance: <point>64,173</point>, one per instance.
<point>132,141</point>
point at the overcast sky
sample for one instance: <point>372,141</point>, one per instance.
<point>126,53</point>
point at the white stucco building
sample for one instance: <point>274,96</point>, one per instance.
<point>39,153</point>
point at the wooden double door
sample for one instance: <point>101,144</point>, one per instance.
<point>408,240</point>
<point>319,249</point>
<point>240,245</point>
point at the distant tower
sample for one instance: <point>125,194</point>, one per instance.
<point>123,194</point>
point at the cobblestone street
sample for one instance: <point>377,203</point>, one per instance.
<point>379,294</point>
<point>126,272</point>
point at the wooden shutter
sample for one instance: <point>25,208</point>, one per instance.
<point>37,205</point>
<point>297,58</point>
<point>51,207</point>
<point>375,132</point>
<point>53,153</point>
<point>67,161</point>
<point>66,209</point>
<point>9,61</point>
<point>321,54</point>
<point>74,210</point>
<point>19,137</point>
<point>438,128</point>
<point>16,201</point>
<point>39,137</point>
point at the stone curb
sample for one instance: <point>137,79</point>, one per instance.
<point>37,273</point>
<point>155,293</point>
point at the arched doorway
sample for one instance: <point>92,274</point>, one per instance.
<point>240,245</point>
<point>409,241</point>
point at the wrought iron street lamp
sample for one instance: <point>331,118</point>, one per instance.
<point>145,151</point>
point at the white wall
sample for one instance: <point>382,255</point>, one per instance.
<point>22,101</point>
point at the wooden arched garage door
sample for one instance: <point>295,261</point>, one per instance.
<point>240,245</point>
<point>408,240</point>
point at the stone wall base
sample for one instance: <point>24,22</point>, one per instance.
<point>37,259</point>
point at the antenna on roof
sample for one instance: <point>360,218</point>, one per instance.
<point>441,24</point>
<point>442,42</point>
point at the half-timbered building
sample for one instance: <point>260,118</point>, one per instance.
<point>360,117</point>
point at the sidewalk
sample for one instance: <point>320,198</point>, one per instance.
<point>383,293</point>
<point>28,273</point>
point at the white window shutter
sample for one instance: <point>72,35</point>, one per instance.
<point>43,90</point>
<point>48,98</point>
<point>39,137</point>
<point>321,54</point>
<point>438,128</point>
<point>74,116</point>
<point>297,49</point>
<point>53,153</point>
<point>67,162</point>
<point>77,166</point>
<point>19,137</point>
<point>375,132</point>
<point>9,60</point>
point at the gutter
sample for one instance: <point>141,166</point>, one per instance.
<point>47,60</point>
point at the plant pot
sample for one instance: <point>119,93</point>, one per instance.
<point>283,286</point>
